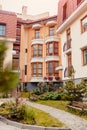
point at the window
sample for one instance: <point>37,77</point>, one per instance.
<point>68,42</point>
<point>25,69</point>
<point>51,33</point>
<point>37,34</point>
<point>84,52</point>
<point>37,50</point>
<point>84,24</point>
<point>37,69</point>
<point>68,33</point>
<point>2,29</point>
<point>65,11</point>
<point>78,2</point>
<point>52,48</point>
<point>50,68</point>
<point>26,50</point>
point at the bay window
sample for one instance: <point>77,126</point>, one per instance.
<point>37,69</point>
<point>50,68</point>
<point>52,48</point>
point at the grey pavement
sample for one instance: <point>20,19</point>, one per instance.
<point>71,121</point>
<point>4,126</point>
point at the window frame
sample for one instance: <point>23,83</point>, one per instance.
<point>3,29</point>
<point>84,49</point>
<point>37,33</point>
<point>65,11</point>
<point>54,65</point>
<point>82,26</point>
<point>51,31</point>
<point>37,74</point>
<point>54,48</point>
<point>37,50</point>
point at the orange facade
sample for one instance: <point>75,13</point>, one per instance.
<point>40,51</point>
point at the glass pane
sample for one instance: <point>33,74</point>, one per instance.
<point>51,31</point>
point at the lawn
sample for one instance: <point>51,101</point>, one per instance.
<point>44,119</point>
<point>62,105</point>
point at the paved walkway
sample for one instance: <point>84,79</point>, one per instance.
<point>4,126</point>
<point>70,120</point>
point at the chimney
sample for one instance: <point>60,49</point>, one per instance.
<point>24,10</point>
<point>0,7</point>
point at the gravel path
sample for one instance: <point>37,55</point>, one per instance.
<point>70,120</point>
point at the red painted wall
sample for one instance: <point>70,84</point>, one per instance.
<point>10,19</point>
<point>71,7</point>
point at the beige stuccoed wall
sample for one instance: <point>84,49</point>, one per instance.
<point>79,40</point>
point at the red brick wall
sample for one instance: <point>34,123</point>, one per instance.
<point>71,6</point>
<point>10,19</point>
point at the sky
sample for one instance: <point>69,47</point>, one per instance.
<point>34,6</point>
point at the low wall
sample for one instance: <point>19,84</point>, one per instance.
<point>30,127</point>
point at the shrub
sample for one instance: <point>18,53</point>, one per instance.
<point>50,96</point>
<point>29,114</point>
<point>37,91</point>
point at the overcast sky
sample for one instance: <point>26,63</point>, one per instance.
<point>34,6</point>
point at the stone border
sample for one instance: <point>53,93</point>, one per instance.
<point>30,127</point>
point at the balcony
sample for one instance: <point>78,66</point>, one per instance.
<point>67,46</point>
<point>37,40</point>
<point>68,71</point>
<point>37,59</point>
<point>36,79</point>
<point>52,58</point>
<point>51,23</point>
<point>36,26</point>
<point>52,39</point>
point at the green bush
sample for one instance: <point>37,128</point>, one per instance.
<point>37,91</point>
<point>50,96</point>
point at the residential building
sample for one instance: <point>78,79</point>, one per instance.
<point>8,22</point>
<point>72,27</point>
<point>40,52</point>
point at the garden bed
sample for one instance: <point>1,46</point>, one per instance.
<point>28,115</point>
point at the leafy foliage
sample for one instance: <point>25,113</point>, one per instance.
<point>8,79</point>
<point>50,96</point>
<point>75,92</point>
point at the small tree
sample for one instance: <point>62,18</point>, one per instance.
<point>75,92</point>
<point>8,79</point>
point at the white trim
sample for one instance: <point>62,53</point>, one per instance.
<point>52,58</point>
<point>59,68</point>
<point>35,26</point>
<point>50,23</point>
<point>35,41</point>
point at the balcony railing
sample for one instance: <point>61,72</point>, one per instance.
<point>67,45</point>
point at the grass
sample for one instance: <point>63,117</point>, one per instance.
<point>31,116</point>
<point>44,119</point>
<point>56,104</point>
<point>62,105</point>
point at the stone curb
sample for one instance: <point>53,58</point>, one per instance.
<point>30,127</point>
